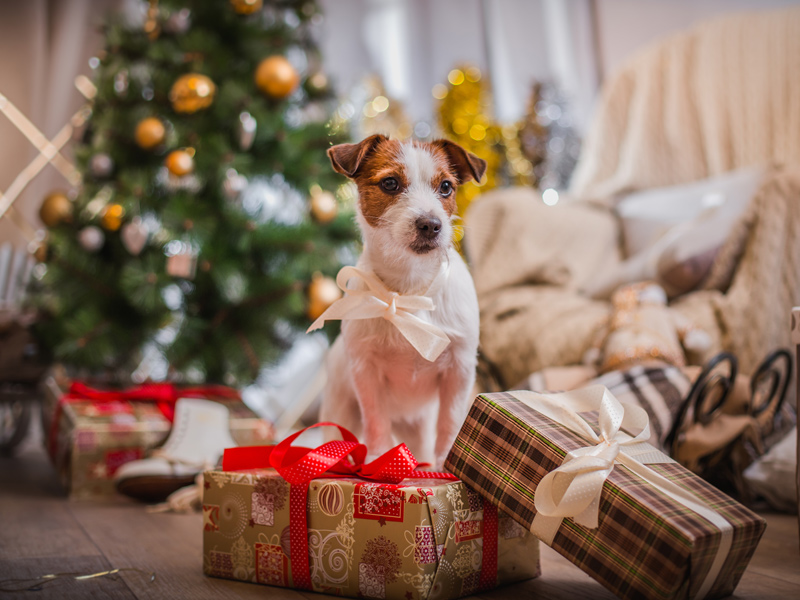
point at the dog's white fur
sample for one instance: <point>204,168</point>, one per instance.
<point>379,387</point>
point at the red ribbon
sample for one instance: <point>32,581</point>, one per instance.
<point>343,458</point>
<point>164,395</point>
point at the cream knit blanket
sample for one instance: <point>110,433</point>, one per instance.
<point>719,97</point>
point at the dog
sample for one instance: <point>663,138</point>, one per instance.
<point>379,386</point>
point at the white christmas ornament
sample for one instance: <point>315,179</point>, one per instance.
<point>233,185</point>
<point>134,236</point>
<point>91,238</point>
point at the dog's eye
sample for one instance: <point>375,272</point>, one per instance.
<point>390,184</point>
<point>446,188</point>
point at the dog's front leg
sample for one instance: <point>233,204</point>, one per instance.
<point>376,424</point>
<point>454,401</point>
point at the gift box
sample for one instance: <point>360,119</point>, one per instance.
<point>796,342</point>
<point>427,536</point>
<point>90,433</point>
<point>573,468</point>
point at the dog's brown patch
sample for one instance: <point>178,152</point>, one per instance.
<point>377,157</point>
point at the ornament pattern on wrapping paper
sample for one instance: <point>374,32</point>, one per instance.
<point>262,509</point>
<point>468,530</point>
<point>329,561</point>
<point>464,561</point>
<point>331,499</point>
<point>509,529</point>
<point>421,545</point>
<point>221,478</point>
<point>275,486</point>
<point>378,501</point>
<point>210,517</point>
<point>86,441</point>
<point>455,496</point>
<point>96,470</point>
<point>272,565</point>
<point>440,516</point>
<point>444,584</point>
<point>219,564</point>
<point>422,582</point>
<point>243,558</point>
<point>233,515</point>
<point>474,500</point>
<point>469,584</point>
<point>116,458</point>
<point>371,581</point>
<point>383,552</point>
<point>331,553</point>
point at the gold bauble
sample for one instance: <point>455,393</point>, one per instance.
<point>246,7</point>
<point>324,207</point>
<point>276,77</point>
<point>40,254</point>
<point>112,217</point>
<point>180,162</point>
<point>322,292</point>
<point>192,92</point>
<point>56,209</point>
<point>150,132</point>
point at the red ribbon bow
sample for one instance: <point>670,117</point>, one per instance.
<point>164,395</point>
<point>341,458</point>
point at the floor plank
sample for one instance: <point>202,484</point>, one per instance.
<point>42,532</point>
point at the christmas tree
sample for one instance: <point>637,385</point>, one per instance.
<point>206,228</point>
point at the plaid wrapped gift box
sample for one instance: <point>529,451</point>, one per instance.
<point>89,437</point>
<point>424,537</point>
<point>644,543</point>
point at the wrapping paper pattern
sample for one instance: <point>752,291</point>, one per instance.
<point>417,540</point>
<point>646,545</point>
<point>95,438</point>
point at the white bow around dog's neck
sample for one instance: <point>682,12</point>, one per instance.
<point>378,301</point>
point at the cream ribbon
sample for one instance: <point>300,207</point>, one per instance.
<point>573,490</point>
<point>378,301</point>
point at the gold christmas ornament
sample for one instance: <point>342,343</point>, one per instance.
<point>276,77</point>
<point>150,132</point>
<point>40,254</point>
<point>112,217</point>
<point>324,207</point>
<point>322,292</point>
<point>246,7</point>
<point>180,162</point>
<point>192,92</point>
<point>56,209</point>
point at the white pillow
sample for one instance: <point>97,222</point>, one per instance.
<point>672,235</point>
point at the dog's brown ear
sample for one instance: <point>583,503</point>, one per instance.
<point>467,165</point>
<point>347,158</point>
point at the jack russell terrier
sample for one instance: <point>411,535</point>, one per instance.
<point>404,365</point>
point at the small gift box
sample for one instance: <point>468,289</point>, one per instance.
<point>626,514</point>
<point>91,433</point>
<point>380,530</point>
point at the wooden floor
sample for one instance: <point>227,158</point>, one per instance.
<point>41,532</point>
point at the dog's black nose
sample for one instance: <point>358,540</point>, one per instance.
<point>428,227</point>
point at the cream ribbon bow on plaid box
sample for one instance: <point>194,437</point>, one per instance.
<point>573,490</point>
<point>378,301</point>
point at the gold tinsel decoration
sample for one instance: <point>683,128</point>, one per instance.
<point>322,292</point>
<point>192,92</point>
<point>276,77</point>
<point>464,117</point>
<point>382,114</point>
<point>246,7</point>
<point>56,209</point>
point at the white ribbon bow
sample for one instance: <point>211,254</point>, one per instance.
<point>574,488</point>
<point>378,301</point>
